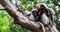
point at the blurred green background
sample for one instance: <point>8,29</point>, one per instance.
<point>7,22</point>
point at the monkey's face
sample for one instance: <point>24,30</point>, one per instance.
<point>40,8</point>
<point>34,13</point>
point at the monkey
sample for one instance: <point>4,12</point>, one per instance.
<point>48,13</point>
<point>43,9</point>
<point>34,13</point>
<point>44,15</point>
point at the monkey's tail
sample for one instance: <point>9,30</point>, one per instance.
<point>42,26</point>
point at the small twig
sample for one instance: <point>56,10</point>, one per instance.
<point>2,9</point>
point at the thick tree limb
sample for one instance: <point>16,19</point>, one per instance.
<point>21,9</point>
<point>18,16</point>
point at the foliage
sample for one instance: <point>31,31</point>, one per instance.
<point>7,22</point>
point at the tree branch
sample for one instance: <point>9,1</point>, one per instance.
<point>2,9</point>
<point>18,16</point>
